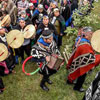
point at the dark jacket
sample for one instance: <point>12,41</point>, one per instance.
<point>66,12</point>
<point>74,5</point>
<point>42,27</point>
<point>36,15</point>
<point>61,22</point>
<point>28,12</point>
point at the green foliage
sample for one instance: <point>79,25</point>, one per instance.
<point>71,31</point>
<point>71,35</point>
<point>82,18</point>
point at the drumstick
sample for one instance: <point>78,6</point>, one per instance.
<point>13,40</point>
<point>1,53</point>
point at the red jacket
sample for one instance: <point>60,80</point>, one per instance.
<point>81,61</point>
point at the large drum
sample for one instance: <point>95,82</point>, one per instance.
<point>55,62</point>
<point>95,41</point>
<point>29,31</point>
<point>15,39</point>
<point>5,21</point>
<point>3,52</point>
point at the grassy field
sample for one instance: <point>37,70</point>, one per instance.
<point>21,87</point>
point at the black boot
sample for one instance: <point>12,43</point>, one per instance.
<point>49,81</point>
<point>43,86</point>
<point>79,90</point>
<point>68,82</point>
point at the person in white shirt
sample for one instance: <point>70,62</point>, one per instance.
<point>22,6</point>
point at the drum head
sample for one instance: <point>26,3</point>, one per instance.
<point>95,41</point>
<point>6,21</point>
<point>29,31</point>
<point>15,38</point>
<point>3,52</point>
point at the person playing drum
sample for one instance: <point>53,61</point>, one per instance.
<point>43,49</point>
<point>26,47</point>
<point>8,63</point>
<point>82,60</point>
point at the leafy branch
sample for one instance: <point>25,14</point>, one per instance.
<point>82,17</point>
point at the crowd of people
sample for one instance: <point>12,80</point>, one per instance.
<point>49,18</point>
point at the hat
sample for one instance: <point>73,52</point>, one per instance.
<point>40,6</point>
<point>56,9</point>
<point>87,30</point>
<point>23,12</point>
<point>21,19</point>
<point>46,16</point>
<point>30,4</point>
<point>47,34</point>
<point>55,3</point>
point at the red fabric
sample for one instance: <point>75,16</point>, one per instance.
<point>33,1</point>
<point>97,62</point>
<point>82,49</point>
<point>3,63</point>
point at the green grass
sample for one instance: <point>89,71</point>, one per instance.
<point>21,87</point>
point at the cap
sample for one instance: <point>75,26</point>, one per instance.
<point>23,12</point>
<point>87,30</point>
<point>55,3</point>
<point>46,16</point>
<point>56,9</point>
<point>21,19</point>
<point>47,34</point>
<point>30,4</point>
<point>40,6</point>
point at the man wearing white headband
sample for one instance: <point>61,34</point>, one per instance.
<point>42,51</point>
